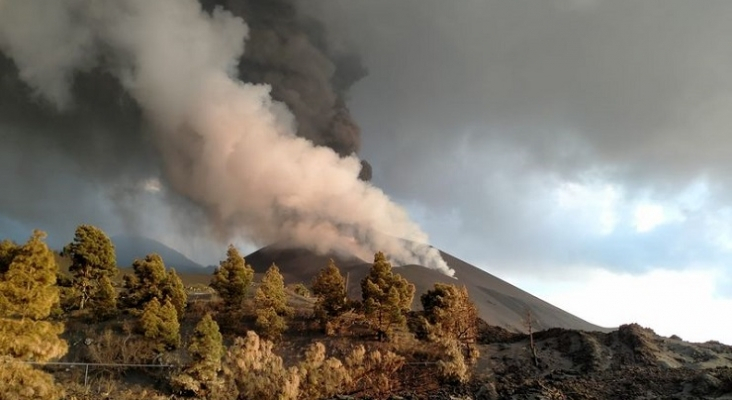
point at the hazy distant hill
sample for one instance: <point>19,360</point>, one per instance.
<point>129,248</point>
<point>499,302</point>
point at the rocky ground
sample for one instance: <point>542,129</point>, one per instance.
<point>629,363</point>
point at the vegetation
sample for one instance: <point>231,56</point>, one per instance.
<point>300,289</point>
<point>321,377</point>
<point>28,292</point>
<point>175,292</point>
<point>329,287</point>
<point>450,320</point>
<point>8,250</point>
<point>257,372</point>
<point>387,297</point>
<point>160,324</point>
<point>232,279</point>
<point>104,300</point>
<point>450,313</point>
<point>157,319</point>
<point>92,259</point>
<point>201,377</point>
<point>150,281</point>
<point>270,301</point>
<point>146,282</point>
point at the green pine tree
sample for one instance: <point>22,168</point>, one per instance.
<point>8,250</point>
<point>174,291</point>
<point>232,278</point>
<point>387,297</point>
<point>160,324</point>
<point>270,300</point>
<point>104,302</point>
<point>28,288</point>
<point>329,287</point>
<point>28,293</point>
<point>92,257</point>
<point>201,376</point>
<point>450,313</point>
<point>146,282</point>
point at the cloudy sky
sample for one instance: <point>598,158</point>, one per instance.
<point>579,149</point>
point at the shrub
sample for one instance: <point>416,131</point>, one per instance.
<point>321,377</point>
<point>452,367</point>
<point>257,373</point>
<point>110,347</point>
<point>373,371</point>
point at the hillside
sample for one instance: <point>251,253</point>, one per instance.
<point>499,302</point>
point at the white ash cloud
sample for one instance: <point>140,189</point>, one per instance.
<point>226,145</point>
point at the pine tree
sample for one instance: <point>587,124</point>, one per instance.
<point>451,321</point>
<point>146,282</point>
<point>150,281</point>
<point>8,249</point>
<point>270,301</point>
<point>28,293</point>
<point>329,287</point>
<point>450,312</point>
<point>160,324</point>
<point>270,324</point>
<point>206,351</point>
<point>174,291</point>
<point>92,257</point>
<point>232,278</point>
<point>387,297</point>
<point>28,288</point>
<point>104,302</point>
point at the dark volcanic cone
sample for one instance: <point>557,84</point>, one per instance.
<point>499,303</point>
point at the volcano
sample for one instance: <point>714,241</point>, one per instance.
<point>499,303</point>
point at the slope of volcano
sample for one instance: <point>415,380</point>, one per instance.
<point>499,303</point>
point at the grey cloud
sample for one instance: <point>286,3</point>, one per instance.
<point>476,110</point>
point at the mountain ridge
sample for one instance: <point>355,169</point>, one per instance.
<point>129,248</point>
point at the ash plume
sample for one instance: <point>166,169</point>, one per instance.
<point>136,89</point>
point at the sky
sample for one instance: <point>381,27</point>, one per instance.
<point>577,148</point>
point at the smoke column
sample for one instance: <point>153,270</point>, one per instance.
<point>226,145</point>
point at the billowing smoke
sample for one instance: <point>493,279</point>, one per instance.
<point>171,68</point>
